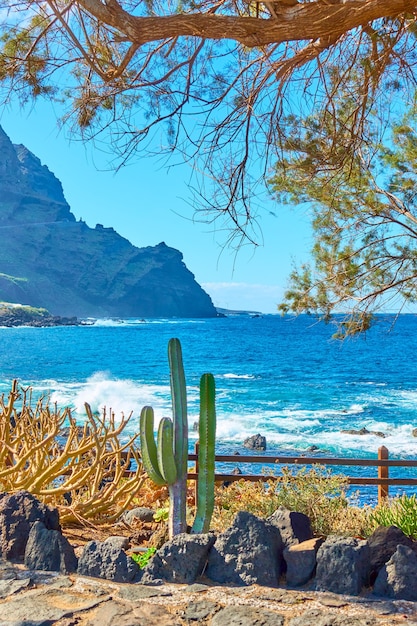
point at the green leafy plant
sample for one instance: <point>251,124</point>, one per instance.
<point>166,460</point>
<point>400,512</point>
<point>161,515</point>
<point>143,558</point>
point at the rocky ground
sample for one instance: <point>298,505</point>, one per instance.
<point>34,598</point>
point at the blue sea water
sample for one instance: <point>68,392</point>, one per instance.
<point>285,378</point>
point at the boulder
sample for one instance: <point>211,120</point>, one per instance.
<point>140,513</point>
<point>180,560</point>
<point>342,565</point>
<point>49,550</point>
<point>382,545</point>
<point>247,553</point>
<point>294,527</point>
<point>301,561</point>
<point>105,560</point>
<point>397,579</point>
<point>18,512</point>
<point>255,442</point>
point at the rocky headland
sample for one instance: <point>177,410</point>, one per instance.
<point>49,259</point>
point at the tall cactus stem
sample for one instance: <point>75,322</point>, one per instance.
<point>178,493</point>
<point>179,406</point>
<point>206,455</point>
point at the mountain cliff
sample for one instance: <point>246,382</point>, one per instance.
<point>49,259</point>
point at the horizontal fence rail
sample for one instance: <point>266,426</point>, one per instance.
<point>382,463</point>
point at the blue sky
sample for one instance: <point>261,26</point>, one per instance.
<point>148,203</point>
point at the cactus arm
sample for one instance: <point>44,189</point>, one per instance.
<point>148,446</point>
<point>206,455</point>
<point>165,453</point>
<point>179,407</point>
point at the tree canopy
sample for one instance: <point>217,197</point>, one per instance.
<point>364,216</point>
<point>213,80</point>
<point>237,87</point>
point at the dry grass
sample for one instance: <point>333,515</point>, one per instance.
<point>316,492</point>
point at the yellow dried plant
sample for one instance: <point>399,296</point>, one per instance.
<point>82,470</point>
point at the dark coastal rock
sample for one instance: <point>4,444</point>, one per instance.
<point>382,545</point>
<point>105,560</point>
<point>294,527</point>
<point>255,442</point>
<point>301,561</point>
<point>397,579</point>
<point>56,262</point>
<point>342,565</point>
<point>18,512</point>
<point>180,560</point>
<point>247,553</point>
<point>246,616</point>
<point>414,432</point>
<point>49,550</point>
<point>364,431</point>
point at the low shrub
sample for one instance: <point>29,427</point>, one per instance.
<point>316,492</point>
<point>400,512</point>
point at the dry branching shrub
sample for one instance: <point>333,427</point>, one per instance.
<point>79,469</point>
<point>316,492</point>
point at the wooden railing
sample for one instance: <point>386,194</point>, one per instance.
<point>382,463</point>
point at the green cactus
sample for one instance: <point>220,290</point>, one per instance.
<point>206,453</point>
<point>166,462</point>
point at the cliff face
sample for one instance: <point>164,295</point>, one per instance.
<point>48,259</point>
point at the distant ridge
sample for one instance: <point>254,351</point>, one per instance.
<point>49,259</point>
<point>227,312</point>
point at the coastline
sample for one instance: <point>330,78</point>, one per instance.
<point>14,315</point>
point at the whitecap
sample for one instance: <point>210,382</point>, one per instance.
<point>231,376</point>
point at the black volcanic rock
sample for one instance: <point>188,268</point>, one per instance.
<point>48,259</point>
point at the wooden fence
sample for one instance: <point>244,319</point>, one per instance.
<point>382,463</point>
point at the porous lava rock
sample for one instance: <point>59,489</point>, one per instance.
<point>397,579</point>
<point>103,559</point>
<point>247,553</point>
<point>180,560</point>
<point>300,559</point>
<point>294,527</point>
<point>342,565</point>
<point>49,550</point>
<point>18,512</point>
<point>382,545</point>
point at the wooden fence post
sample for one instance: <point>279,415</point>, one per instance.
<point>383,472</point>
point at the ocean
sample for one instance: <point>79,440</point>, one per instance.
<point>285,378</point>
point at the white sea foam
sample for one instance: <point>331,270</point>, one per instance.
<point>231,376</point>
<point>119,396</point>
